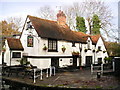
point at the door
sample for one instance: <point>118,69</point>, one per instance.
<point>55,62</point>
<point>74,61</point>
<point>99,60</point>
<point>88,61</point>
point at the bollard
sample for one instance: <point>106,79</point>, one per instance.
<point>98,75</point>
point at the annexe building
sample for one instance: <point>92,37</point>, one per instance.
<point>48,43</point>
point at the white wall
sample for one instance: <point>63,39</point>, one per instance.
<point>14,61</point>
<point>7,53</point>
<point>40,63</point>
<point>37,50</point>
<point>1,57</point>
<point>100,54</point>
<point>88,53</point>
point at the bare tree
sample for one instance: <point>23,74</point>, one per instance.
<point>87,9</point>
<point>18,22</point>
<point>46,12</point>
<point>71,12</point>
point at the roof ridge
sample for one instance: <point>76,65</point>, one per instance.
<point>41,18</point>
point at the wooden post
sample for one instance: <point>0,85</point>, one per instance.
<point>54,70</point>
<point>47,73</point>
<point>91,69</point>
<point>101,68</point>
<point>113,66</point>
<point>41,75</point>
<point>34,76</point>
<point>50,71</point>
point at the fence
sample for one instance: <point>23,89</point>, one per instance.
<point>50,71</point>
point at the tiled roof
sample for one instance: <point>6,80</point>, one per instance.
<point>51,29</point>
<point>95,38</point>
<point>14,44</point>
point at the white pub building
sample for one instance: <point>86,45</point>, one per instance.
<point>48,43</point>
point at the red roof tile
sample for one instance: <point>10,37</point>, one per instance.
<point>95,38</point>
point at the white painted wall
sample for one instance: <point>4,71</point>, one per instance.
<point>1,57</point>
<point>14,61</point>
<point>8,55</point>
<point>100,54</point>
<point>40,62</point>
<point>37,50</point>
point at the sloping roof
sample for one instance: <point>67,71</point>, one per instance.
<point>51,29</point>
<point>95,38</point>
<point>14,44</point>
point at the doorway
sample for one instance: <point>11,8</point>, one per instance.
<point>99,60</point>
<point>88,61</point>
<point>74,61</point>
<point>55,62</point>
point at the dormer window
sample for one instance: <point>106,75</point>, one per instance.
<point>88,44</point>
<point>30,41</point>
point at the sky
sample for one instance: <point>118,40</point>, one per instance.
<point>22,8</point>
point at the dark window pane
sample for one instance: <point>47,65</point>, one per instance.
<point>52,45</point>
<point>99,48</point>
<point>16,55</point>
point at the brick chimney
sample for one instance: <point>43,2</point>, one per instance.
<point>61,18</point>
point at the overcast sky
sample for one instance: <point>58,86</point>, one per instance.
<point>22,8</point>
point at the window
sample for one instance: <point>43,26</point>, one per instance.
<point>52,45</point>
<point>16,55</point>
<point>99,48</point>
<point>73,44</point>
<point>88,44</point>
<point>30,41</point>
<point>29,26</point>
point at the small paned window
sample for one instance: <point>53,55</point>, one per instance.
<point>16,55</point>
<point>30,41</point>
<point>52,45</point>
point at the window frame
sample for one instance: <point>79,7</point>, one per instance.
<point>28,41</point>
<point>52,48</point>
<point>16,54</point>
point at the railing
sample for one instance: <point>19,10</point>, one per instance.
<point>102,68</point>
<point>96,68</point>
<point>50,71</point>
